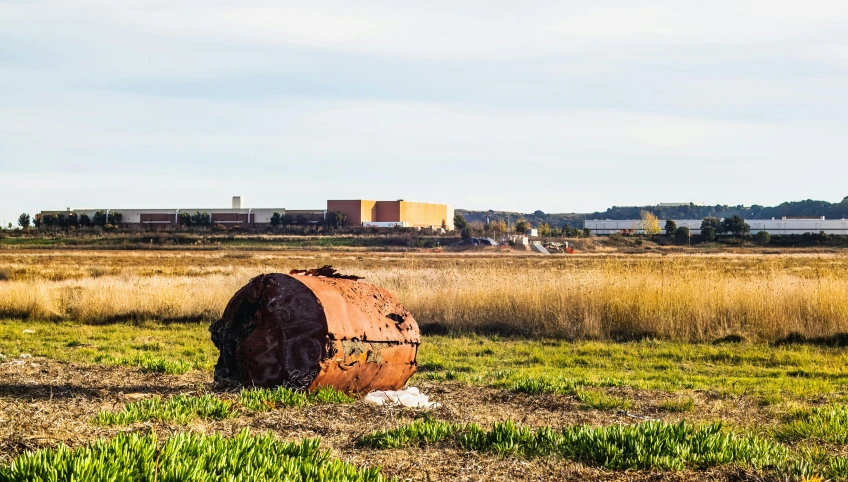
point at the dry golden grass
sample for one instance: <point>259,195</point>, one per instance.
<point>686,297</point>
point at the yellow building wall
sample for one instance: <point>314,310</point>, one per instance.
<point>425,214</point>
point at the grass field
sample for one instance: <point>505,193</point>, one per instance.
<point>686,298</point>
<point>590,368</point>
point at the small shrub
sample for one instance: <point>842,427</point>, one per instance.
<point>599,400</point>
<point>680,405</point>
<point>829,424</point>
<point>557,385</point>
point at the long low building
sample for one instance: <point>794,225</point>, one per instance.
<point>236,215</point>
<point>771,226</point>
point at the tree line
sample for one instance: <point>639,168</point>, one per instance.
<point>112,219</point>
<point>70,220</point>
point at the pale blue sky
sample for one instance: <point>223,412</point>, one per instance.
<point>559,106</point>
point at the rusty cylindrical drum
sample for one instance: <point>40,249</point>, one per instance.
<point>306,331</point>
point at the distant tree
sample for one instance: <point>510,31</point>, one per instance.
<point>301,220</point>
<point>50,220</point>
<point>276,219</point>
<point>99,218</point>
<point>185,219</point>
<point>477,227</point>
<point>522,226</point>
<point>60,220</point>
<point>115,218</point>
<point>670,227</point>
<point>201,219</point>
<point>459,221</point>
<point>681,234</point>
<point>539,214</point>
<point>710,226</point>
<point>556,232</point>
<point>650,224</point>
<point>336,219</point>
<point>23,221</point>
<point>71,220</point>
<point>544,230</point>
<point>286,220</point>
<point>84,220</point>
<point>570,232</point>
<point>762,238</point>
<point>37,221</point>
<point>466,232</point>
<point>735,225</point>
<point>587,232</point>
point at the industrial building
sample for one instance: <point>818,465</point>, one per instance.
<point>358,212</point>
<point>237,215</point>
<point>771,226</point>
<point>362,212</point>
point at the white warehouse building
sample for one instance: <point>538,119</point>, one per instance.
<point>237,215</point>
<point>771,226</point>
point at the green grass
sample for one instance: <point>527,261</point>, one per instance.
<point>827,424</point>
<point>598,400</point>
<point>171,348</point>
<point>678,405</point>
<point>648,445</point>
<point>184,408</point>
<point>534,386</point>
<point>757,370</point>
<point>148,364</point>
<point>180,408</point>
<point>768,373</point>
<point>264,399</point>
<point>421,432</point>
<point>186,457</point>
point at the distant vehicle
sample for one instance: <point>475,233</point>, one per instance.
<point>476,242</point>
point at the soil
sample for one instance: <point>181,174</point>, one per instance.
<point>45,402</point>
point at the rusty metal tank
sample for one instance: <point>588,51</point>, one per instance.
<point>315,328</point>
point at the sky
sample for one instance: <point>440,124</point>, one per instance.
<point>563,106</point>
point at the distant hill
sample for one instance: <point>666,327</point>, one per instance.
<point>789,209</point>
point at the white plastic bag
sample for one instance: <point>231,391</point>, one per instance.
<point>410,397</point>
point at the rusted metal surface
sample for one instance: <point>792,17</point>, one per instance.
<point>307,330</point>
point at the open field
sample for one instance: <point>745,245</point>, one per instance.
<point>572,368</point>
<point>780,409</point>
<point>680,297</point>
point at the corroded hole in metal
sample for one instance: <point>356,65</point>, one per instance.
<point>395,317</point>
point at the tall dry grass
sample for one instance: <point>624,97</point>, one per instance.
<point>686,297</point>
